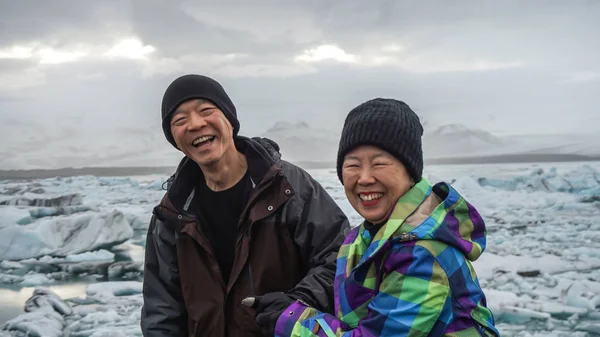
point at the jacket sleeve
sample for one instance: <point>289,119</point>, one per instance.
<point>320,231</point>
<point>412,301</point>
<point>163,312</point>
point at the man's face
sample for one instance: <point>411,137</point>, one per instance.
<point>201,131</point>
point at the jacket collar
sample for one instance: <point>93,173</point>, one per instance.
<point>263,158</point>
<point>426,212</point>
<point>406,205</point>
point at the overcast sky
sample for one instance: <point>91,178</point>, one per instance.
<point>72,72</point>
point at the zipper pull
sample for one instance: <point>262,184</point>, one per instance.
<point>404,237</point>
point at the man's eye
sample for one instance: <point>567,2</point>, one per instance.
<point>207,111</point>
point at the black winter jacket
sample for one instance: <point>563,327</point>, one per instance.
<point>288,238</point>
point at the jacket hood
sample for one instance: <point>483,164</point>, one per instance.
<point>437,213</point>
<point>261,154</point>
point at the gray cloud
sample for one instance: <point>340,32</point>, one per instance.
<point>510,67</point>
<point>60,22</point>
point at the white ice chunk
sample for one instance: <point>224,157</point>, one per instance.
<point>10,265</point>
<point>64,236</point>
<point>554,308</point>
<point>497,300</point>
<point>45,299</point>
<point>18,243</point>
<point>107,332</point>
<point>581,296</point>
<point>44,316</point>
<point>60,201</point>
<point>87,232</point>
<point>138,217</point>
<point>117,181</point>
<point>522,313</point>
<point>550,264</point>
<point>99,255</point>
<point>11,215</point>
<point>121,270</point>
<point>41,212</point>
<point>156,184</point>
<point>37,324</point>
<point>112,289</point>
<point>110,309</point>
<point>10,279</point>
<point>509,307</point>
<point>583,180</point>
<point>593,327</point>
<point>35,279</point>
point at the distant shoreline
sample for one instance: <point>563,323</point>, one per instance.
<point>168,170</point>
<point>512,159</point>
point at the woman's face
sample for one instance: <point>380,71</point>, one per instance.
<point>374,180</point>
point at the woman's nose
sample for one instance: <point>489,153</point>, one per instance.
<point>366,177</point>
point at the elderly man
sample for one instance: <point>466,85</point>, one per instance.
<point>236,221</point>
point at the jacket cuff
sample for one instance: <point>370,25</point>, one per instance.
<point>294,314</point>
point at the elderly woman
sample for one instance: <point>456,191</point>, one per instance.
<point>406,270</point>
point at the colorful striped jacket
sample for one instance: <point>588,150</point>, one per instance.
<point>413,278</point>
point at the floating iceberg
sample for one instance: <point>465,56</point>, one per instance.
<point>35,279</point>
<point>61,201</point>
<point>540,270</point>
<point>19,189</point>
<point>109,309</point>
<point>45,316</point>
<point>64,236</point>
<point>96,265</point>
<point>584,180</point>
<point>10,216</point>
<point>40,212</point>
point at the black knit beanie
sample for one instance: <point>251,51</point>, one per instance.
<point>195,86</point>
<point>388,124</point>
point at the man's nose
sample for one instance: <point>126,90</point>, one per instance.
<point>196,122</point>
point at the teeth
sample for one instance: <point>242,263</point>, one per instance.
<point>201,139</point>
<point>370,197</point>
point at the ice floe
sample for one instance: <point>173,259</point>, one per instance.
<point>540,270</point>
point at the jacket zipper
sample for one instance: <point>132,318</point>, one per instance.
<point>183,218</point>
<point>189,217</point>
<point>247,231</point>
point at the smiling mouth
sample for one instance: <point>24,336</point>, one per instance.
<point>202,141</point>
<point>370,196</point>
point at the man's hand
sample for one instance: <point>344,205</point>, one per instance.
<point>268,308</point>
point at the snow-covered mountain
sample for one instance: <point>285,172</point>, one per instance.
<point>44,147</point>
<point>578,144</point>
<point>456,139</point>
<point>301,142</point>
<point>57,147</point>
